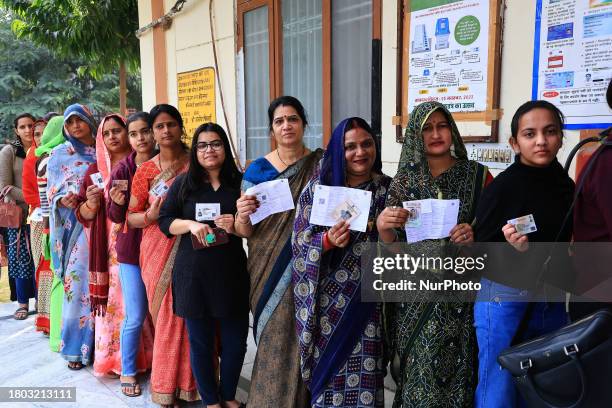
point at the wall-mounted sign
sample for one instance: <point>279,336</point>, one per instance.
<point>572,59</point>
<point>196,98</point>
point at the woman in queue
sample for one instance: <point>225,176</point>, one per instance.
<point>134,333</point>
<point>436,367</point>
<point>171,376</point>
<point>210,283</point>
<point>276,380</point>
<point>105,294</point>
<point>335,321</point>
<point>20,263</point>
<point>70,253</point>
<point>535,184</point>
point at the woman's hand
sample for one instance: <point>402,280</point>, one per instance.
<point>93,194</point>
<point>391,218</point>
<point>117,196</point>
<point>246,205</point>
<point>69,200</point>
<point>518,241</point>
<point>153,212</point>
<point>339,235</point>
<point>200,231</point>
<point>225,221</point>
<point>462,234</point>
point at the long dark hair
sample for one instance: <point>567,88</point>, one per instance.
<point>197,175</point>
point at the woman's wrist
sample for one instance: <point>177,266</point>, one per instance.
<point>239,219</point>
<point>92,208</point>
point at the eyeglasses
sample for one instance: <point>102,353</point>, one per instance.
<point>215,145</point>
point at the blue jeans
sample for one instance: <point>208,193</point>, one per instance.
<point>497,315</point>
<point>135,310</point>
<point>201,333</point>
<point>26,289</point>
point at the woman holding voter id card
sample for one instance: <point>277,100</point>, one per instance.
<point>66,169</point>
<point>171,376</point>
<point>528,202</point>
<point>210,284</point>
<point>433,343</point>
<point>345,366</point>
<point>276,379</point>
<point>105,294</point>
<point>135,305</point>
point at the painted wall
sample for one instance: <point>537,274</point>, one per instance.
<point>188,44</point>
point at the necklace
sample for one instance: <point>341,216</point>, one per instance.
<point>287,165</point>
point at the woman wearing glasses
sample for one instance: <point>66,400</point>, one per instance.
<point>210,283</point>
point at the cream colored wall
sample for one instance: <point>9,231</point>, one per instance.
<point>188,45</point>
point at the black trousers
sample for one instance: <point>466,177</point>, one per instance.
<point>233,333</point>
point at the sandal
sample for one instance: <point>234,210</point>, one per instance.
<point>75,365</point>
<point>136,391</point>
<point>21,313</point>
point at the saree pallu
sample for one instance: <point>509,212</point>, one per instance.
<point>276,379</point>
<point>341,341</point>
<point>171,375</point>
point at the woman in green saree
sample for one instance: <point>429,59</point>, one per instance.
<point>434,342</point>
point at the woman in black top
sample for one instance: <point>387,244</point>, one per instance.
<point>210,285</point>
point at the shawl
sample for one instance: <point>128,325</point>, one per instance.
<point>19,149</point>
<point>68,162</point>
<point>334,330</point>
<point>98,234</point>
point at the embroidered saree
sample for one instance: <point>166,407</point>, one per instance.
<point>340,338</point>
<point>434,341</point>
<point>171,375</point>
<point>276,380</point>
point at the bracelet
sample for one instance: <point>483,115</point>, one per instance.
<point>90,209</point>
<point>240,222</point>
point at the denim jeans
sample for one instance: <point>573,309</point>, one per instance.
<point>497,315</point>
<point>135,307</point>
<point>26,289</point>
<point>233,333</point>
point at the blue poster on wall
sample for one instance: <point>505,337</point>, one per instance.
<point>571,62</point>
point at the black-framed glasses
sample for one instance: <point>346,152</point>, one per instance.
<point>216,145</point>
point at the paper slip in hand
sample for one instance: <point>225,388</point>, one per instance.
<point>430,219</point>
<point>97,179</point>
<point>273,196</point>
<point>121,185</point>
<point>160,189</point>
<point>524,225</point>
<point>72,187</point>
<point>333,204</point>
<point>206,211</point>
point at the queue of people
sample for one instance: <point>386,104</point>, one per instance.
<point>132,243</point>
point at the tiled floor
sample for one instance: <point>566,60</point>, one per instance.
<point>25,360</point>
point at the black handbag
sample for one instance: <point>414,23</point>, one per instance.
<point>569,368</point>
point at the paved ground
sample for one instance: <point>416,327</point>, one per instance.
<point>26,360</point>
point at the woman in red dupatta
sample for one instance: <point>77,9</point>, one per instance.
<point>171,376</point>
<point>104,285</point>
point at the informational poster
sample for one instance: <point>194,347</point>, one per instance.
<point>448,54</point>
<point>573,59</point>
<point>196,98</point>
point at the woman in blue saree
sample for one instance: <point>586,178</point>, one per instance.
<point>69,249</point>
<point>341,343</point>
<point>276,379</point>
